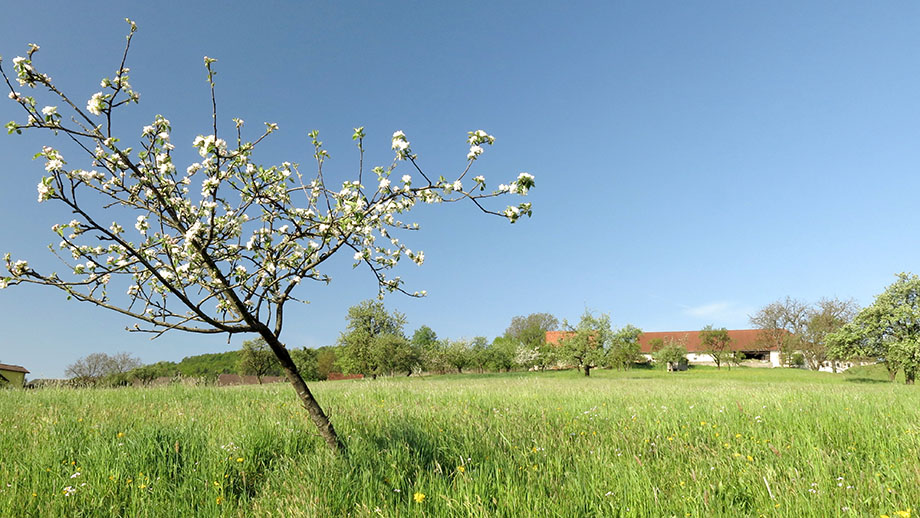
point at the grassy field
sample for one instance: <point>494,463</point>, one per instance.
<point>745,442</point>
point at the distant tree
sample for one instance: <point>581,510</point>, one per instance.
<point>144,374</point>
<point>256,359</point>
<point>326,361</point>
<point>425,341</point>
<point>457,354</point>
<point>394,353</point>
<point>503,353</point>
<point>824,318</point>
<point>547,355</point>
<point>589,342</point>
<point>624,348</point>
<point>673,353</point>
<point>782,325</point>
<point>656,344</point>
<point>480,354</point>
<point>735,358</point>
<point>716,343</point>
<point>889,328</point>
<point>306,361</point>
<point>526,357</point>
<point>362,345</point>
<point>531,330</point>
<point>98,365</point>
<point>424,337</point>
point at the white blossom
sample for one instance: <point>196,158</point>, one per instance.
<point>142,225</point>
<point>19,267</point>
<point>96,104</point>
<point>44,191</point>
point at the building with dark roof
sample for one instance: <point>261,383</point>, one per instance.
<point>13,375</point>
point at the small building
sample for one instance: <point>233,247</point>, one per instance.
<point>743,340</point>
<point>12,375</point>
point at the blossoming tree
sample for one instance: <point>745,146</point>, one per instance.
<point>222,245</point>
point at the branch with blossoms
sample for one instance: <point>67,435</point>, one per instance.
<point>221,245</point>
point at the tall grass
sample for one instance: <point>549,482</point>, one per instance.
<point>746,442</point>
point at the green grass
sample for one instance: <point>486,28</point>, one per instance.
<point>745,442</point>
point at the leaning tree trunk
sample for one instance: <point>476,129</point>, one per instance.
<point>317,415</point>
<point>587,370</point>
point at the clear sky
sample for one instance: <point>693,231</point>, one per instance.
<point>694,160</point>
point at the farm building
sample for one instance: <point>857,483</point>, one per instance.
<point>744,340</point>
<point>12,375</point>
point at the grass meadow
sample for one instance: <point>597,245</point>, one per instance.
<point>745,442</point>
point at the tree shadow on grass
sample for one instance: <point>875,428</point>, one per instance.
<point>866,380</point>
<point>424,450</point>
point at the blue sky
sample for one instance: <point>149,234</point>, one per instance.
<point>694,161</point>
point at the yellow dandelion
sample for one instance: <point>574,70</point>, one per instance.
<point>418,497</point>
<point>219,500</point>
<point>120,435</point>
<point>239,459</point>
<point>750,459</point>
<point>903,514</point>
<point>461,469</point>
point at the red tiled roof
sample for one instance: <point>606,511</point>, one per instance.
<point>742,339</point>
<point>13,368</point>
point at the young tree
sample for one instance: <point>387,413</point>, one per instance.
<point>366,343</point>
<point>717,343</point>
<point>889,328</point>
<point>825,317</point>
<point>222,245</point>
<point>256,359</point>
<point>782,325</point>
<point>673,353</point>
<point>624,348</point>
<point>589,343</point>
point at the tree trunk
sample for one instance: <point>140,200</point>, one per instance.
<point>587,370</point>
<point>317,415</point>
<point>892,374</point>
